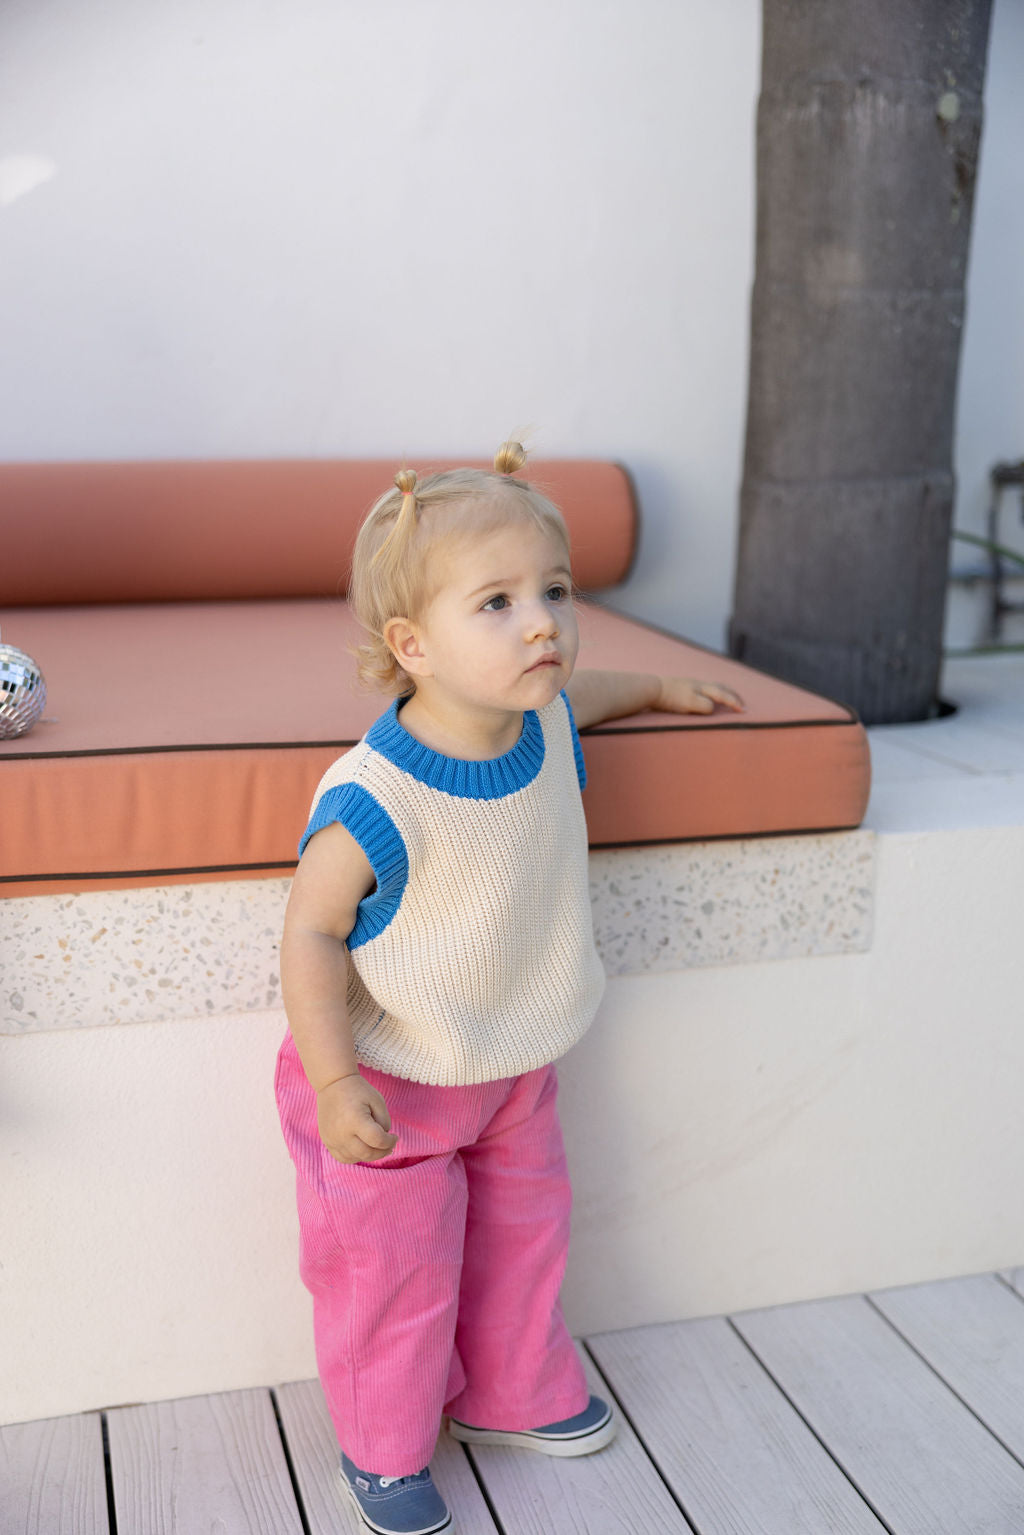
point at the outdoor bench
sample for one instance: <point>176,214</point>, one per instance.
<point>189,618</point>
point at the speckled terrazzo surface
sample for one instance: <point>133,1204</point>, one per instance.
<point>140,956</point>
<point>136,956</point>
<point>731,902</point>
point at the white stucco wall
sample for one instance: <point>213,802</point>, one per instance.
<point>277,228</point>
<point>409,228</point>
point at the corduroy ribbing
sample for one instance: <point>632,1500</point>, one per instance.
<point>435,1272</point>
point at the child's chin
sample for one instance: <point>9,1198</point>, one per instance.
<point>547,681</point>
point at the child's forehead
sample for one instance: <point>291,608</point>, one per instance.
<point>513,544</point>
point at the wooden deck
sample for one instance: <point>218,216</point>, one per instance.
<point>899,1411</point>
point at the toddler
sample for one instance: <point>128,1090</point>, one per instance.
<point>437,959</point>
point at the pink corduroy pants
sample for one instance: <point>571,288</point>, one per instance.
<point>435,1272</point>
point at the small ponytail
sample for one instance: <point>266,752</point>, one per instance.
<point>405,479</point>
<point>510,458</point>
<point>405,522</point>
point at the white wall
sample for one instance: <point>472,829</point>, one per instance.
<point>308,227</point>
<point>409,228</point>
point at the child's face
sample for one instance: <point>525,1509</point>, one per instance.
<point>500,631</point>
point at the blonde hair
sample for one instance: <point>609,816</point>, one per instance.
<point>393,574</point>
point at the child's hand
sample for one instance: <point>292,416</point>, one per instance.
<point>685,695</point>
<point>353,1121</point>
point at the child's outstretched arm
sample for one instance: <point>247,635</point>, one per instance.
<point>333,876</point>
<point>603,695</point>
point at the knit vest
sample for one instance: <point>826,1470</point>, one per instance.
<point>473,957</point>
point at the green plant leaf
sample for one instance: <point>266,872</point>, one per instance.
<point>989,546</point>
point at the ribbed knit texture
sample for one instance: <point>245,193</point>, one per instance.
<point>474,958</point>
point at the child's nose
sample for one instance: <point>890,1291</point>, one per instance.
<point>542,621</point>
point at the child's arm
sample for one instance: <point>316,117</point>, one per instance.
<point>333,876</point>
<point>597,696</point>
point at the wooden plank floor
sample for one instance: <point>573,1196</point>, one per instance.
<point>895,1413</point>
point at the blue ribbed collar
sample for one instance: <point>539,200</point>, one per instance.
<point>493,778</point>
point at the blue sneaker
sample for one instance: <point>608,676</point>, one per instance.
<point>588,1431</point>
<point>396,1505</point>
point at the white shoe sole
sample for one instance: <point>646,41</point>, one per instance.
<point>380,1529</point>
<point>586,1442</point>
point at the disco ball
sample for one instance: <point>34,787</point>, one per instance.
<point>22,692</point>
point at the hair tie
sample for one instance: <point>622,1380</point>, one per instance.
<point>405,479</point>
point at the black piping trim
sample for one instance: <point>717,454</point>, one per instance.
<point>591,731</point>
<point>160,751</point>
<point>211,868</point>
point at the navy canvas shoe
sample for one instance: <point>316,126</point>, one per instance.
<point>396,1505</point>
<point>588,1431</point>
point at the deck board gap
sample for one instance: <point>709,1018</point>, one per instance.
<point>299,1502</point>
<point>948,1384</point>
<point>1006,1279</point>
<point>108,1477</point>
<point>621,1406</point>
<point>833,1457</point>
<point>479,1479</point>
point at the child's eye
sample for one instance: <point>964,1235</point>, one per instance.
<point>556,593</point>
<point>495,604</point>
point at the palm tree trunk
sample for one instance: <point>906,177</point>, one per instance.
<point>869,125</point>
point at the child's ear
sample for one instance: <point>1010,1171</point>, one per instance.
<point>402,638</point>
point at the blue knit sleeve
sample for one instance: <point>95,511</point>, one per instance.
<point>380,840</point>
<point>577,749</point>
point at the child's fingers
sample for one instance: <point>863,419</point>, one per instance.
<point>690,695</point>
<point>722,695</point>
<point>366,1143</point>
<point>373,1133</point>
<point>379,1110</point>
<point>366,1153</point>
<point>354,1149</point>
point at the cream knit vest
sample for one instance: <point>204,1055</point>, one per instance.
<point>473,959</point>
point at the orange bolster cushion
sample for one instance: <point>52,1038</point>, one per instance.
<point>181,531</point>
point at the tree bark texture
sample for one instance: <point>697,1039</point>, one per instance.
<point>869,125</point>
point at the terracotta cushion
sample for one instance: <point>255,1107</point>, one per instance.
<point>158,532</point>
<point>183,742</point>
